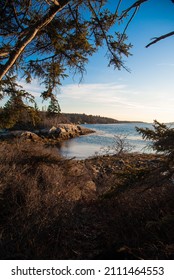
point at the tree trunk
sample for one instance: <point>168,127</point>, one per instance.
<point>31,34</point>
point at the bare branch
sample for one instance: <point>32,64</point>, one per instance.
<point>129,21</point>
<point>117,8</point>
<point>135,5</point>
<point>157,39</point>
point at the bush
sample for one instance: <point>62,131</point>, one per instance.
<point>120,146</point>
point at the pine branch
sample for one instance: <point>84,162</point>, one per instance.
<point>21,44</point>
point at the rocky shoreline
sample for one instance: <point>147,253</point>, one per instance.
<point>52,134</point>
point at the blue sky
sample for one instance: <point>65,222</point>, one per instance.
<point>145,94</point>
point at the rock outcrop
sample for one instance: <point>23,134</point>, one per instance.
<point>62,132</point>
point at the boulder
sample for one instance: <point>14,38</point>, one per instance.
<point>27,135</point>
<point>54,131</point>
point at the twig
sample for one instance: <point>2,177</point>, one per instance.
<point>157,39</point>
<point>135,5</point>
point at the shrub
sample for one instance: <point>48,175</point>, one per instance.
<point>120,146</point>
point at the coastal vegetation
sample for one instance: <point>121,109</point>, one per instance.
<point>106,207</point>
<point>116,206</point>
<point>15,115</point>
<point>21,117</point>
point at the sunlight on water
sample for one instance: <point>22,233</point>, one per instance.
<point>89,145</point>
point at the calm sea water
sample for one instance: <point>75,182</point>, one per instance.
<point>98,142</point>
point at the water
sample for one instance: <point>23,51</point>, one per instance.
<point>98,142</point>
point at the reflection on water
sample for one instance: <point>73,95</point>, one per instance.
<point>73,148</point>
<point>89,145</point>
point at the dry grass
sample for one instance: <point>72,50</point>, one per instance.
<point>35,194</point>
<point>52,208</point>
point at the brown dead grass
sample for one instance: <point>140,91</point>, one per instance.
<point>37,190</point>
<point>104,208</point>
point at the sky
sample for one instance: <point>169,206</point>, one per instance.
<point>144,94</point>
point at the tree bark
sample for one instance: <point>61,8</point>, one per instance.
<point>31,34</point>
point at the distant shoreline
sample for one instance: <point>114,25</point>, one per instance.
<point>92,119</point>
<point>131,122</point>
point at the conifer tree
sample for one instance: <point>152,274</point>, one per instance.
<point>45,39</point>
<point>20,109</point>
<point>54,107</point>
<point>161,137</point>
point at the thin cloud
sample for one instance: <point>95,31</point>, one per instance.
<point>97,93</point>
<point>166,64</point>
<point>117,100</point>
<point>34,87</point>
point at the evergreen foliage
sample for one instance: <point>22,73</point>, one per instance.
<point>49,39</point>
<point>54,107</point>
<point>162,138</point>
<point>16,111</point>
<point>44,39</point>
